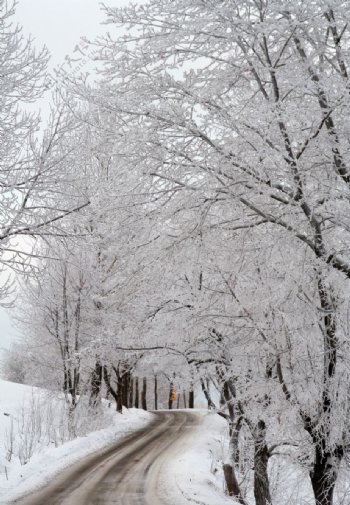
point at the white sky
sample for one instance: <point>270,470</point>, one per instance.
<point>58,24</point>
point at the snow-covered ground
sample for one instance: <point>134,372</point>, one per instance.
<point>194,473</point>
<point>18,405</point>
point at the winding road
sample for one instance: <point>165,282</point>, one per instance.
<point>127,473</point>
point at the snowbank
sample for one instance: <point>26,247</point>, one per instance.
<point>194,473</point>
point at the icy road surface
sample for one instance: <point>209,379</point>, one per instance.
<point>127,473</point>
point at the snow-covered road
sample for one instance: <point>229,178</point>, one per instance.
<point>127,473</point>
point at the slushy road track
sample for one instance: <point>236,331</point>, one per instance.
<point>127,473</point>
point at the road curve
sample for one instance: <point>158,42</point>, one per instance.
<point>126,473</point>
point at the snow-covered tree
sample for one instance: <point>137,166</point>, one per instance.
<point>238,112</point>
<point>31,202</point>
<point>216,163</point>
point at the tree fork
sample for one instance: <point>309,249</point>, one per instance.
<point>109,387</point>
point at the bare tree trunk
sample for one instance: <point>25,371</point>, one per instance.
<point>206,393</point>
<point>226,392</point>
<point>137,394</point>
<point>119,394</point>
<point>110,389</point>
<point>131,391</point>
<point>155,392</point>
<point>144,394</point>
<point>125,389</point>
<point>119,389</point>
<point>228,395</point>
<point>184,398</point>
<point>77,317</point>
<point>261,457</point>
<point>232,484</point>
<point>96,383</point>
<point>326,462</point>
<point>324,476</point>
<point>234,447</point>
<point>191,398</point>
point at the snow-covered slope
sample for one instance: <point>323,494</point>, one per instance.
<point>13,397</point>
<point>23,410</point>
<point>194,472</point>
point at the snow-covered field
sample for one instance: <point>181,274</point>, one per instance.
<point>17,476</point>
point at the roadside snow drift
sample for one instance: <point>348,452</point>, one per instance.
<point>193,473</point>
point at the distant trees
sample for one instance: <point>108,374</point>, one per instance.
<point>14,365</point>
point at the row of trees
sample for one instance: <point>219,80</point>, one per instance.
<point>209,164</point>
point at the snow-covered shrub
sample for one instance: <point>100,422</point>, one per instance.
<point>45,419</point>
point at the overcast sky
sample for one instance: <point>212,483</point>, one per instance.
<point>58,24</point>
